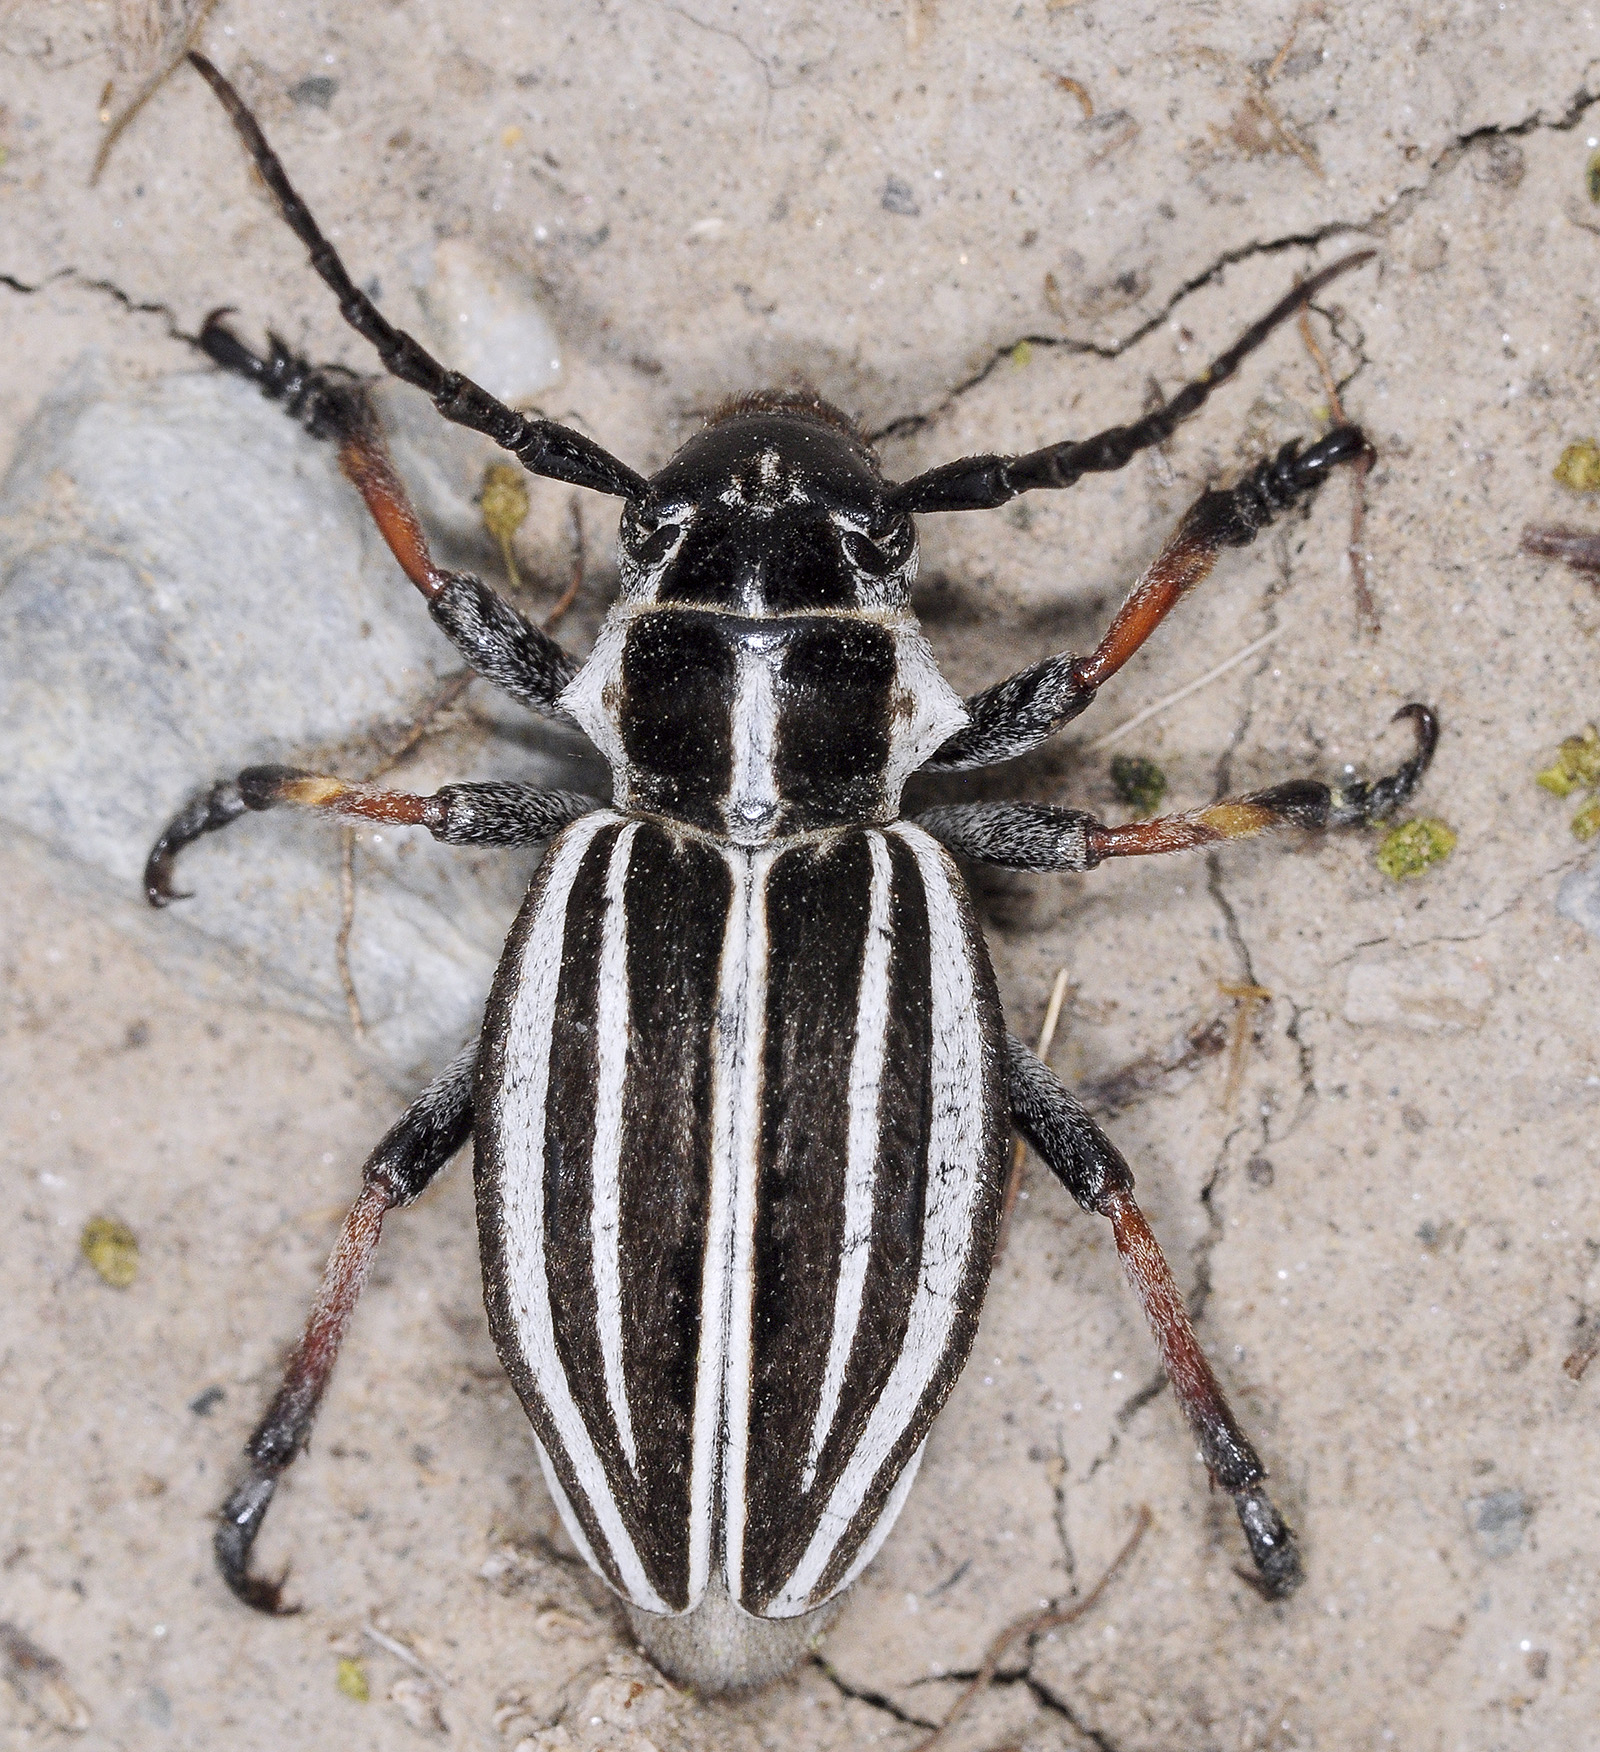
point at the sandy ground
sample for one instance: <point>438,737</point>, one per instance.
<point>976,232</point>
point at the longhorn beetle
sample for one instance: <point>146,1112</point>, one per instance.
<point>743,1091</point>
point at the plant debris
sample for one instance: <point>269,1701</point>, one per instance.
<point>1579,467</point>
<point>1035,1625</point>
<point>40,1681</point>
<point>1140,783</point>
<point>503,500</point>
<point>1576,767</point>
<point>1413,847</point>
<point>1580,548</point>
<point>112,1249</point>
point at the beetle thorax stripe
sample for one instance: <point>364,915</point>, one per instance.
<point>752,806</point>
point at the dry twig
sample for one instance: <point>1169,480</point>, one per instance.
<point>1019,1152</point>
<point>1366,608</point>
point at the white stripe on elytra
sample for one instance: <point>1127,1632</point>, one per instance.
<point>873,1542</point>
<point>727,1045</point>
<point>569,1519</point>
<point>745,1171</point>
<point>611,1047</point>
<point>861,1150</point>
<point>752,806</point>
<point>955,1151</point>
<point>521,1126</point>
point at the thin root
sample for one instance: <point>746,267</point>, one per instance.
<point>1035,1625</point>
<point>444,696</point>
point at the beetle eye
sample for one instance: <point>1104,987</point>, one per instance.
<point>657,545</point>
<point>875,559</point>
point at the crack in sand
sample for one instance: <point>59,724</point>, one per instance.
<point>1394,212</point>
<point>135,306</point>
<point>873,1699</point>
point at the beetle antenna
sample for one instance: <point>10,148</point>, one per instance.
<point>979,483</point>
<point>543,447</point>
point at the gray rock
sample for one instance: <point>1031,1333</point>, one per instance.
<point>188,586</point>
<point>1498,1521</point>
<point>1578,897</point>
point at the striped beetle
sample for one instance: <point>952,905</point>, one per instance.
<point>743,1090</point>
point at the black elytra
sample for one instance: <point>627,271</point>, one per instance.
<point>743,1091</point>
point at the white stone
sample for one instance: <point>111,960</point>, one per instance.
<point>485,320</point>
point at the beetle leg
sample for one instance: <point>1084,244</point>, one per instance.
<point>412,1153</point>
<point>1018,714</point>
<point>500,814</point>
<point>502,645</point>
<point>542,446</point>
<point>1043,836</point>
<point>1092,1169</point>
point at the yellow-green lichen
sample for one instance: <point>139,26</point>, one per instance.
<point>503,500</point>
<point>1576,766</point>
<point>1021,354</point>
<point>1579,467</point>
<point>112,1249</point>
<point>1413,847</point>
<point>1591,177</point>
<point>1140,783</point>
<point>1586,823</point>
<point>352,1681</point>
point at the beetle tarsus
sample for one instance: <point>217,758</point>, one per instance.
<point>237,1527</point>
<point>1371,801</point>
<point>1273,1545</point>
<point>201,815</point>
<point>327,400</point>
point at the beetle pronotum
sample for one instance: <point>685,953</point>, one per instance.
<point>743,1090</point>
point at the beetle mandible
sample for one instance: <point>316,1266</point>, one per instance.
<point>743,1090</point>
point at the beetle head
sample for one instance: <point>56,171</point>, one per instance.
<point>776,507</point>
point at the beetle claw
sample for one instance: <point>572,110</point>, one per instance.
<point>237,1527</point>
<point>1272,1544</point>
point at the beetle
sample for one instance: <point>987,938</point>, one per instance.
<point>743,1090</point>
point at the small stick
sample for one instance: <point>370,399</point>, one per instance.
<point>347,920</point>
<point>1019,1152</point>
<point>1247,997</point>
<point>1366,608</point>
<point>1065,82</point>
<point>1580,548</point>
<point>570,594</point>
<point>148,90</point>
<point>443,697</point>
<point>393,1646</point>
<point>1183,692</point>
<point>1035,1625</point>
